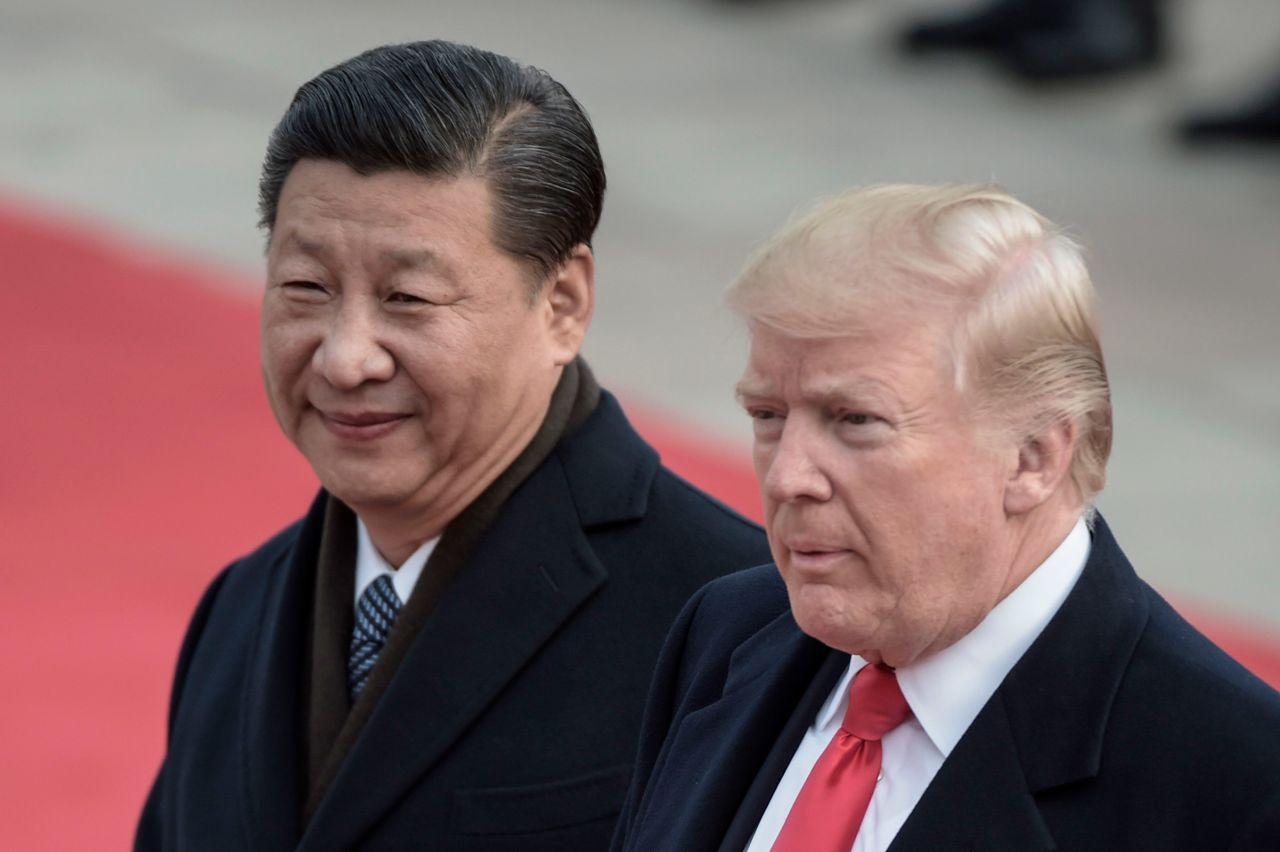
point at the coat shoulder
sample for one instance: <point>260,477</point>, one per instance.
<point>246,578</point>
<point>755,596</point>
<point>642,517</point>
<point>1210,685</point>
<point>677,498</point>
<point>273,548</point>
<point>735,607</point>
<point>1193,733</point>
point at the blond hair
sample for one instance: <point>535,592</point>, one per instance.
<point>1023,343</point>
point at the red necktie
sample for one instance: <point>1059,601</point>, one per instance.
<point>828,812</point>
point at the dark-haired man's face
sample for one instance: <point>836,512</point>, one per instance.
<point>400,349</point>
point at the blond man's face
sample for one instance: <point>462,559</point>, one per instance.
<point>883,500</point>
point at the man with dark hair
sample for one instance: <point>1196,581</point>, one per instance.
<point>451,650</point>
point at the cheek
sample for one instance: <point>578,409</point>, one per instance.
<point>773,511</point>
<point>974,507</point>
<point>275,361</point>
<point>277,353</point>
<point>288,341</point>
<point>458,348</point>
<point>760,458</point>
<point>286,353</point>
<point>761,461</point>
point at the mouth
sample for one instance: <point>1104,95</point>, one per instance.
<point>361,425</point>
<point>813,557</point>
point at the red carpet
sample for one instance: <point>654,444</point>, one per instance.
<point>138,457</point>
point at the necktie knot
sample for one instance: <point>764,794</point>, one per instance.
<point>828,811</point>
<point>876,704</point>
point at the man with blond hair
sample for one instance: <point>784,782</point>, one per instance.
<point>951,651</point>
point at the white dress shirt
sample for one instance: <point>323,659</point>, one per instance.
<point>945,691</point>
<point>370,565</point>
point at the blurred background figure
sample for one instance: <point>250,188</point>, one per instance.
<point>1256,119</point>
<point>1051,39</point>
<point>1072,40</point>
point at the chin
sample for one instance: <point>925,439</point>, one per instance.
<point>829,622</point>
<point>365,488</point>
<point>836,636</point>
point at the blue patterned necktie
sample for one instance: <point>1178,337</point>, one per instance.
<point>375,613</point>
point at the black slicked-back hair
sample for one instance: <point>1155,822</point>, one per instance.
<point>447,110</point>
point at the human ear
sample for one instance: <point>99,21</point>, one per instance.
<point>1042,468</point>
<point>569,300</point>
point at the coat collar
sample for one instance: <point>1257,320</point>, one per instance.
<point>715,752</point>
<point>978,801</point>
<point>609,469</point>
<point>1078,662</point>
<point>760,793</point>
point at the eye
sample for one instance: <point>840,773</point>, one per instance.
<point>861,428</point>
<point>402,298</point>
<point>309,291</point>
<point>766,423</point>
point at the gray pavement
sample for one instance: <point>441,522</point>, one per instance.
<point>716,123</point>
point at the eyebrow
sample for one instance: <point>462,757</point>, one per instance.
<point>294,240</point>
<point>746,387</point>
<point>421,258</point>
<point>828,393</point>
<point>398,259</point>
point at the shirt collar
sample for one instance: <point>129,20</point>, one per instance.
<point>837,701</point>
<point>370,565</point>
<point>948,689</point>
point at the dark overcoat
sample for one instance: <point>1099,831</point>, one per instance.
<point>1121,729</point>
<point>510,723</point>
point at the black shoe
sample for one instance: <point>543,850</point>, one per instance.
<point>1257,121</point>
<point>986,28</point>
<point>1053,39</point>
<point>1106,38</point>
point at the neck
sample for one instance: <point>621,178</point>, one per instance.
<point>1036,535</point>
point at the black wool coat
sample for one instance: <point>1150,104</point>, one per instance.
<point>510,723</point>
<point>1121,729</point>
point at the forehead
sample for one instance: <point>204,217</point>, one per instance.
<point>325,205</point>
<point>899,358</point>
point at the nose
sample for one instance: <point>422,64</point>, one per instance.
<point>789,469</point>
<point>352,351</point>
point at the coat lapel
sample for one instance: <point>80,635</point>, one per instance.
<point>528,575</point>
<point>1044,727</point>
<point>715,752</point>
<point>273,687</point>
<point>1078,662</point>
<point>978,801</point>
<point>762,788</point>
